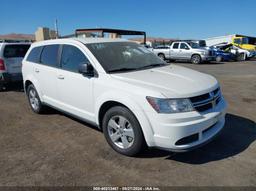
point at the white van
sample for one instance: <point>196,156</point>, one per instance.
<point>136,98</point>
<point>11,55</point>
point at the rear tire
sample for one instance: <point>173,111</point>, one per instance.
<point>122,131</point>
<point>241,57</point>
<point>162,56</point>
<point>196,59</point>
<point>34,100</point>
<point>1,87</point>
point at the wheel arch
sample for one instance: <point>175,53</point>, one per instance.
<point>31,80</point>
<point>103,105</point>
<point>195,54</point>
<point>160,53</point>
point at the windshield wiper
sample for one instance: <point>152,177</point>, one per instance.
<point>153,65</point>
<point>122,70</point>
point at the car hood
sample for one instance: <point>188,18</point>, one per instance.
<point>171,81</point>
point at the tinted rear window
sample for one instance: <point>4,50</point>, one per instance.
<point>49,55</point>
<point>13,51</point>
<point>34,55</point>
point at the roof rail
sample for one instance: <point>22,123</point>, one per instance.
<point>101,32</point>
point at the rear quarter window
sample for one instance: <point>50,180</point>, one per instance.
<point>34,55</point>
<point>15,51</point>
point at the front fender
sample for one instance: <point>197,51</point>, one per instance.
<point>131,104</point>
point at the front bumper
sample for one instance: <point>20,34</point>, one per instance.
<point>186,131</point>
<point>208,58</point>
<point>252,54</point>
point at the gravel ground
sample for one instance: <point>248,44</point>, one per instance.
<point>57,150</point>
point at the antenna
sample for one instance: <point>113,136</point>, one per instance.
<point>56,28</point>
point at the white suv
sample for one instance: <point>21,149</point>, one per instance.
<point>136,98</point>
<point>11,55</point>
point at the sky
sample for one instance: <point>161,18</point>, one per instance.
<point>159,18</point>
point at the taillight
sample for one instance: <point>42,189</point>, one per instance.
<point>2,66</point>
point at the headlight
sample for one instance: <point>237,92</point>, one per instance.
<point>170,105</point>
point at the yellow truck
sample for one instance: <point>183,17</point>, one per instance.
<point>247,43</point>
<point>241,41</point>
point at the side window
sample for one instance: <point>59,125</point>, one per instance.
<point>71,58</point>
<point>49,55</point>
<point>34,55</point>
<point>183,46</point>
<point>175,46</point>
<point>237,41</point>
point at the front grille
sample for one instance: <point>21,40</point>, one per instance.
<point>210,53</point>
<point>206,101</point>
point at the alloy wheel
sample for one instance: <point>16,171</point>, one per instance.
<point>120,132</point>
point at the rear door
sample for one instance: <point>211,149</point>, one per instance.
<point>174,52</point>
<point>13,55</point>
<point>45,73</point>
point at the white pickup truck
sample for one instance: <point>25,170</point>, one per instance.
<point>181,50</point>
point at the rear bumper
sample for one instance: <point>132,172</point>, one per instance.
<point>6,77</point>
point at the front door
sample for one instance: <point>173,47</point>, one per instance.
<point>184,51</point>
<point>75,90</point>
<point>174,52</point>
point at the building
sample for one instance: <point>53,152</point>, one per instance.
<point>17,37</point>
<point>44,33</point>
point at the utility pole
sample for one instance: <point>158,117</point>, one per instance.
<point>56,29</point>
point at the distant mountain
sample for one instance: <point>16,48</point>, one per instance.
<point>153,39</point>
<point>15,36</point>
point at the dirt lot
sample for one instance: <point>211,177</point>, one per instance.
<point>55,149</point>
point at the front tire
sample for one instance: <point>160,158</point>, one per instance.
<point>218,58</point>
<point>34,100</point>
<point>196,59</point>
<point>122,131</point>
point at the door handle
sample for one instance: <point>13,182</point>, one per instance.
<point>37,70</point>
<point>61,77</point>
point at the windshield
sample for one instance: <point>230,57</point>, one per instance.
<point>124,56</point>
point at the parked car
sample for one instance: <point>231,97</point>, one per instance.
<point>221,55</point>
<point>240,54</point>
<point>136,98</point>
<point>182,50</point>
<point>11,55</point>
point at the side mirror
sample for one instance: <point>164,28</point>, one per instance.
<point>187,48</point>
<point>86,69</point>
